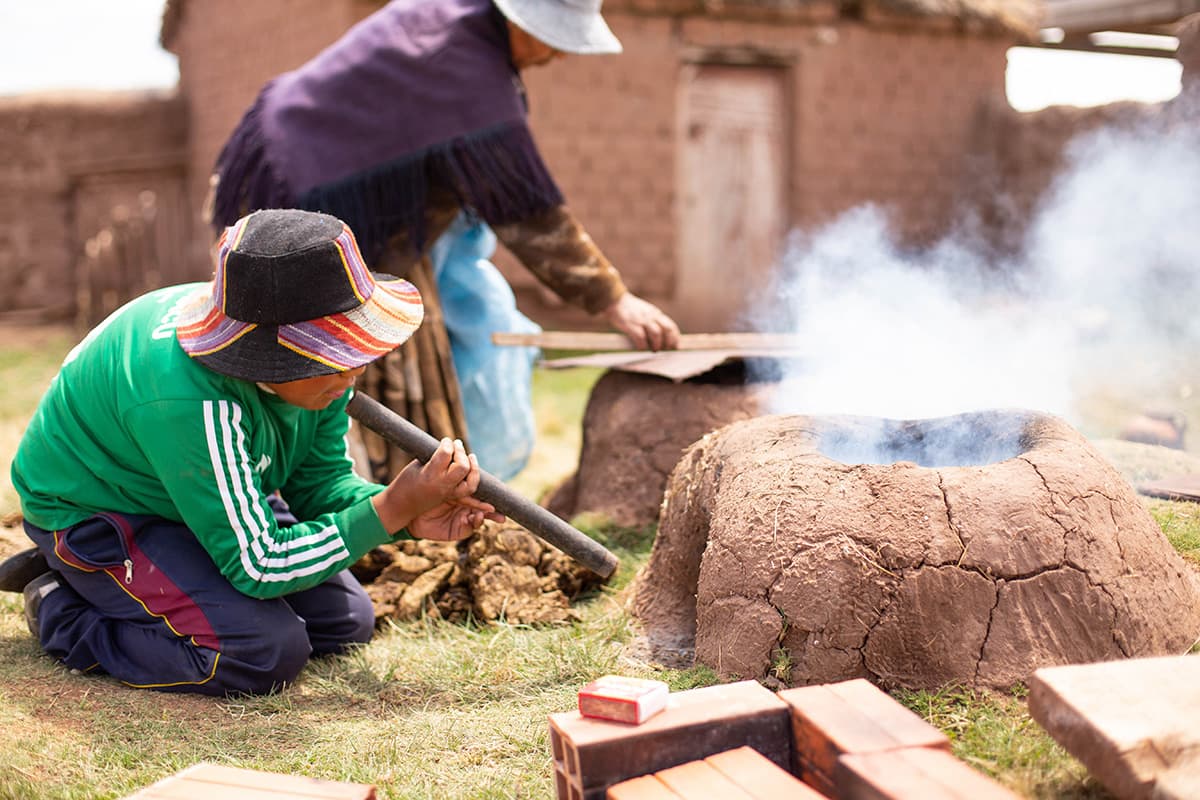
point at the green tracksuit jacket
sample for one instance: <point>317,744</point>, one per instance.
<point>131,424</point>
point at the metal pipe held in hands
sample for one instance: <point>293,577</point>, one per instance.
<point>372,414</point>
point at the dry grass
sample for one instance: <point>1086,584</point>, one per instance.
<point>28,360</point>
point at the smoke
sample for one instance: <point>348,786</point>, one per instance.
<point>1105,293</point>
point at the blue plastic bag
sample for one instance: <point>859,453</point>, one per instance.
<point>496,382</point>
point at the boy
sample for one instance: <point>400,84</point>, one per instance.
<point>186,475</point>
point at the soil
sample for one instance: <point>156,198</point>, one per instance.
<point>12,537</point>
<point>501,573</point>
<point>774,559</point>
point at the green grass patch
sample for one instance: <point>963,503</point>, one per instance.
<point>1180,521</point>
<point>994,733</point>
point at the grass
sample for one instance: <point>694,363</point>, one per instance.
<point>428,709</point>
<point>27,363</point>
<point>1181,524</point>
<point>995,734</point>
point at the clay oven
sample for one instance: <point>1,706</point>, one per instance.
<point>819,549</point>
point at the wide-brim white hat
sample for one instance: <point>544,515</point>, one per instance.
<point>573,26</point>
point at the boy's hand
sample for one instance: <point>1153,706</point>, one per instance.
<point>434,500</point>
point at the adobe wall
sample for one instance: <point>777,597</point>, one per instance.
<point>881,114</point>
<point>222,67</point>
<point>67,159</point>
<point>1017,157</point>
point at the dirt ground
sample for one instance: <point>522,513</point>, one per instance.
<point>12,538</point>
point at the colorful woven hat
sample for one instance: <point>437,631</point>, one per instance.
<point>292,299</point>
<point>573,26</point>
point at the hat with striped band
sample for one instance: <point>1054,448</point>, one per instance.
<point>291,298</point>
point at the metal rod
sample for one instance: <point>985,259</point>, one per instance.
<point>396,429</point>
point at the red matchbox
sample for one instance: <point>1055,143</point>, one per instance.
<point>621,699</point>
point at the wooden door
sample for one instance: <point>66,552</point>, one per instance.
<point>731,191</point>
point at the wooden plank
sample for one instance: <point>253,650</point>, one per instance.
<point>587,340</point>
<point>676,365</point>
<point>1129,722</point>
<point>1120,15</point>
<point>1173,487</point>
<point>204,781</point>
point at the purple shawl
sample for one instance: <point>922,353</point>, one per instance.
<point>420,94</point>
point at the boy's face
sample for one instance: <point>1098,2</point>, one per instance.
<point>316,393</point>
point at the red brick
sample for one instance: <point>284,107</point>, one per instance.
<point>758,777</point>
<point>204,781</point>
<point>850,717</point>
<point>591,755</point>
<point>699,780</point>
<point>913,772</point>
<point>646,787</point>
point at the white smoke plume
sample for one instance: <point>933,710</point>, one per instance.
<point>1105,293</point>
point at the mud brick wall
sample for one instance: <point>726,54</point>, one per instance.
<point>66,160</point>
<point>879,113</point>
<point>886,117</point>
<point>227,50</point>
<point>606,127</point>
<point>1018,155</point>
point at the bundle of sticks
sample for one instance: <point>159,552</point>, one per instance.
<point>417,381</point>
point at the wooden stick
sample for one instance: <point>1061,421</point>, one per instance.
<point>412,384</point>
<point>585,340</point>
<point>435,322</point>
<point>540,522</point>
<point>437,410</point>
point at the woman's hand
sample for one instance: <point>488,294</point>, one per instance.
<point>434,500</point>
<point>644,323</point>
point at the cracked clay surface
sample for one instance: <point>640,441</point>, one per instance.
<point>772,558</point>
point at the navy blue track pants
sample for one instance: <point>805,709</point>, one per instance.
<point>144,602</point>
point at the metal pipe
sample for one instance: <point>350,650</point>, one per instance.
<point>408,437</point>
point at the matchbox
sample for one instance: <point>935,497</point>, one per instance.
<point>621,699</point>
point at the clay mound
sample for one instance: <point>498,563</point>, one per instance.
<point>502,572</point>
<point>635,429</point>
<point>914,566</point>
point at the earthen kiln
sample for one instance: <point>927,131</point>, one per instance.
<point>819,549</point>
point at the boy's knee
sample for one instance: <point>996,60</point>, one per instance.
<point>357,626</point>
<point>360,621</point>
<point>268,660</point>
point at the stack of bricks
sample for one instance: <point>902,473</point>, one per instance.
<point>853,741</point>
<point>591,755</point>
<point>846,741</point>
